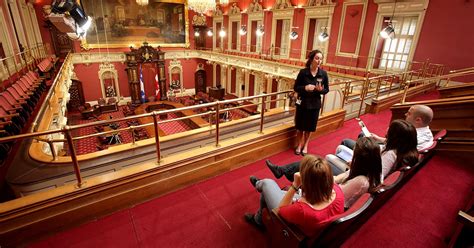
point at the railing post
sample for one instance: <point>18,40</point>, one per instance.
<point>217,122</point>
<point>262,114</point>
<point>404,94</point>
<point>53,150</point>
<point>157,137</point>
<point>72,149</point>
<point>377,90</point>
<point>132,129</point>
<point>362,97</point>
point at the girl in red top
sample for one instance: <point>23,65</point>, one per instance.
<point>320,200</point>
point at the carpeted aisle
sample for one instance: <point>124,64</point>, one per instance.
<point>423,212</point>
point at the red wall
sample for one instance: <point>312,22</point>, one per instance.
<point>89,76</point>
<point>447,36</point>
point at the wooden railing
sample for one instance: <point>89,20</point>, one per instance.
<point>27,59</point>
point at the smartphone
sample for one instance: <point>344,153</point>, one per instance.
<point>363,127</point>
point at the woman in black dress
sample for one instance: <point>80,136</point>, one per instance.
<point>311,83</point>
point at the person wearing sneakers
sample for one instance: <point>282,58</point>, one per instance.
<point>398,150</point>
<point>364,175</point>
<point>310,84</point>
<point>320,199</point>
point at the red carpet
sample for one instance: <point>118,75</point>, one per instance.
<point>423,212</point>
<point>209,213</point>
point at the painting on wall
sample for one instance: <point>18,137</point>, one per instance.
<point>121,23</point>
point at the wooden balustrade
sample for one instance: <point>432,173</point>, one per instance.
<point>466,89</point>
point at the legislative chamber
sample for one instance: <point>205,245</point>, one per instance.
<point>139,123</point>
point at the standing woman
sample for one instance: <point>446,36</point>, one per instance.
<point>311,83</point>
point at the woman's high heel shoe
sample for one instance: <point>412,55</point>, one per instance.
<point>303,153</point>
<point>297,151</point>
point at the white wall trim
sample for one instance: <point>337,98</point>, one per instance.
<point>341,28</point>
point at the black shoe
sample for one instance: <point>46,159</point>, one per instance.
<point>250,218</point>
<point>274,169</point>
<point>303,153</point>
<point>254,180</point>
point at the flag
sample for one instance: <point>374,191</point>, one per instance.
<point>157,87</point>
<point>142,86</point>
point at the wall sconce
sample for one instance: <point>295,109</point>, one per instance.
<point>243,30</point>
<point>293,35</point>
<point>196,33</point>
<point>260,31</point>
<point>324,36</point>
<point>209,33</point>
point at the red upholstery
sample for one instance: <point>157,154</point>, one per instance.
<point>440,135</point>
<point>333,231</point>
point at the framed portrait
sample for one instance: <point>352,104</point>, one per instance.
<point>123,23</point>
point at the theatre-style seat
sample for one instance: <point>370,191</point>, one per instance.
<point>333,231</point>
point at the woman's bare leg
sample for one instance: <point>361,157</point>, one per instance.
<point>306,136</point>
<point>300,140</point>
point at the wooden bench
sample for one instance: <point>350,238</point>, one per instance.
<point>466,89</point>
<point>386,101</point>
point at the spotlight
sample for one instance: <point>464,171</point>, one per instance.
<point>388,31</point>
<point>209,32</point>
<point>243,30</point>
<point>260,31</point>
<point>196,33</point>
<point>293,35</point>
<point>77,14</point>
<point>324,35</point>
<point>222,33</point>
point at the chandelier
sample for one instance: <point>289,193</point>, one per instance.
<point>142,2</point>
<point>202,6</point>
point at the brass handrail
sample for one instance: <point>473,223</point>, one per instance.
<point>462,72</point>
<point>67,130</point>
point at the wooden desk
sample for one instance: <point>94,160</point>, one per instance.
<point>107,108</point>
<point>92,112</point>
<point>216,93</point>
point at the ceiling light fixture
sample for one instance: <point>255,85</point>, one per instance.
<point>389,30</point>
<point>209,33</point>
<point>222,33</point>
<point>260,31</point>
<point>293,35</point>
<point>142,2</point>
<point>201,6</point>
<point>324,36</point>
<point>243,30</point>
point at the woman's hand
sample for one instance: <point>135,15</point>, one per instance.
<point>309,87</point>
<point>297,180</point>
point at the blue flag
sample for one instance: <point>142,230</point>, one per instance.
<point>142,86</point>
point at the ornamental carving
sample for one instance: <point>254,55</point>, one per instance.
<point>255,6</point>
<point>234,9</point>
<point>319,2</point>
<point>282,4</point>
<point>199,20</point>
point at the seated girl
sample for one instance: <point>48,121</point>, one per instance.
<point>365,171</point>
<point>320,198</point>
